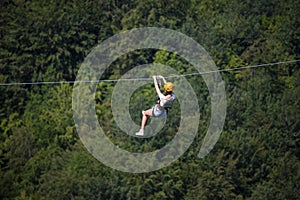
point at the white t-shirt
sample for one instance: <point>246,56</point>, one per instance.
<point>167,102</point>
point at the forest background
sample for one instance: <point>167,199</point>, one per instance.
<point>257,155</point>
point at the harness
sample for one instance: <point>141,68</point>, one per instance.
<point>166,105</point>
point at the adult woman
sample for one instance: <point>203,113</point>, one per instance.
<point>164,102</point>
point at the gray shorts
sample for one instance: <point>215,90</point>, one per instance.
<point>158,112</point>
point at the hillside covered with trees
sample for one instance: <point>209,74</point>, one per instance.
<point>257,155</point>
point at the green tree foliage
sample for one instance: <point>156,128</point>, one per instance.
<point>257,155</point>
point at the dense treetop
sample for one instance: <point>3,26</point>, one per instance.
<point>257,155</point>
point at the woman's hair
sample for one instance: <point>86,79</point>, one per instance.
<point>168,93</point>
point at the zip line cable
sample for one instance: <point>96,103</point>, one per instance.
<point>147,79</point>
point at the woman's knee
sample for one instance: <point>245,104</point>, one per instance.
<point>148,112</point>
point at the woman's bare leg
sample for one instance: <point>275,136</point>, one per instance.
<point>146,115</point>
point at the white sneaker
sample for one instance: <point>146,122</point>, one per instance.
<point>140,133</point>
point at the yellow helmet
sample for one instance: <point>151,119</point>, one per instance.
<point>168,86</point>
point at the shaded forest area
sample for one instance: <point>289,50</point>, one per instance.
<point>257,155</point>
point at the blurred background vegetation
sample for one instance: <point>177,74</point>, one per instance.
<point>257,155</point>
